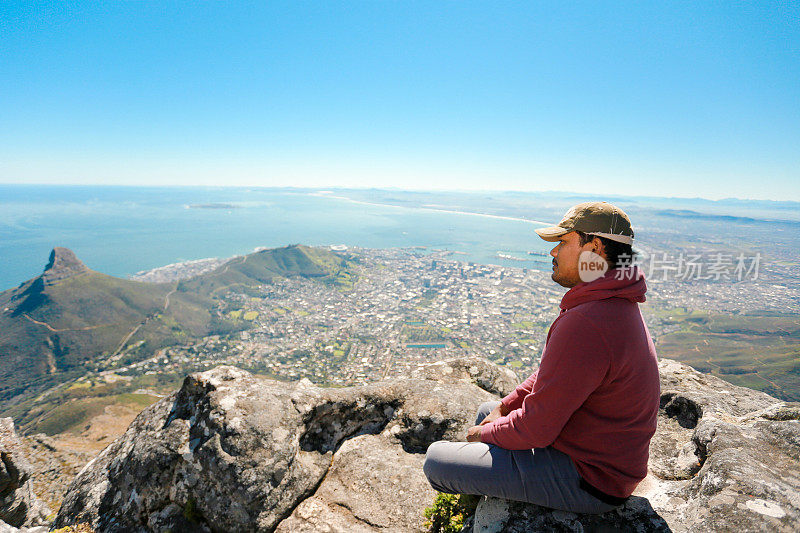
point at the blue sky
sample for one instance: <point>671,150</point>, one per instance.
<point>640,98</point>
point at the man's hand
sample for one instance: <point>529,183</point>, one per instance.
<point>474,434</point>
<point>497,412</point>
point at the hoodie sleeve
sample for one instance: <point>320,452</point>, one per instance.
<point>574,364</point>
<point>514,400</point>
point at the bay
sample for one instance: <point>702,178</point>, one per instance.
<point>124,230</point>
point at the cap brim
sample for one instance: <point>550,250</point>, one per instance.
<point>552,233</point>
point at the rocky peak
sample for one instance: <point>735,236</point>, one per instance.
<point>63,263</point>
<point>233,452</point>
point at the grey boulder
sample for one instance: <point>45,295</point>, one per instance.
<point>233,452</point>
<point>19,505</point>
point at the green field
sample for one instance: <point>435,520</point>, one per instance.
<point>757,351</point>
<point>70,417</point>
<point>69,407</point>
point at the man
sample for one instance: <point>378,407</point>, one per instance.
<point>575,435</point>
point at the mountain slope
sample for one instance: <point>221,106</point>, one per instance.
<point>70,318</point>
<point>55,323</point>
<point>248,272</point>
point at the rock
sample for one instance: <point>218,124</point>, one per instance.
<point>371,485</point>
<point>490,377</point>
<point>314,515</point>
<point>19,505</point>
<point>5,528</point>
<point>494,515</point>
<point>79,528</point>
<point>723,458</point>
<point>233,452</point>
<point>63,263</point>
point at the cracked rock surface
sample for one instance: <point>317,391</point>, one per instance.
<point>20,508</point>
<point>233,452</point>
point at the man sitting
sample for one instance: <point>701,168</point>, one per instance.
<point>575,435</point>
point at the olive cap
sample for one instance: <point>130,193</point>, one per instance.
<point>595,218</point>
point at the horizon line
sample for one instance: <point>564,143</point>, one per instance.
<point>399,189</point>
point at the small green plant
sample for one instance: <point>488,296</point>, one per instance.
<point>190,511</point>
<point>77,528</point>
<point>449,512</point>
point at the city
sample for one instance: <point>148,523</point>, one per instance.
<point>401,308</point>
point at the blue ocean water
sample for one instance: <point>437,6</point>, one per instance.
<point>123,230</point>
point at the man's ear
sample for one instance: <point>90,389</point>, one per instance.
<point>599,248</point>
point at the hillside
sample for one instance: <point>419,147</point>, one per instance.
<point>247,272</point>
<point>71,319</point>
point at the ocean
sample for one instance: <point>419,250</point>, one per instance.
<point>124,230</point>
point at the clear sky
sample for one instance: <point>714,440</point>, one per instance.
<point>641,98</point>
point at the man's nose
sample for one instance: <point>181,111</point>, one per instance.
<point>553,251</point>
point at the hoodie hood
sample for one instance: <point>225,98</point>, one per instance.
<point>626,282</point>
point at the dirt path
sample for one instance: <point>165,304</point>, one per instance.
<point>778,387</point>
<point>128,337</point>
<point>227,266</point>
<point>166,298</point>
<point>54,330</point>
<point>143,322</point>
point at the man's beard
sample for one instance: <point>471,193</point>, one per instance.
<point>558,279</point>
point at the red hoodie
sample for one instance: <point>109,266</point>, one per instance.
<point>595,396</point>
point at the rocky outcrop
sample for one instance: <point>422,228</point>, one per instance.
<point>724,458</point>
<point>372,484</point>
<point>63,263</point>
<point>233,452</point>
<point>494,515</point>
<point>19,506</point>
<point>498,380</point>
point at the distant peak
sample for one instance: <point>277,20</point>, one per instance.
<point>63,258</point>
<point>63,263</point>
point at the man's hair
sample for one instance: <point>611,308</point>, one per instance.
<point>617,253</point>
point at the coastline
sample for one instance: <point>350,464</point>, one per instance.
<point>178,271</point>
<point>326,194</point>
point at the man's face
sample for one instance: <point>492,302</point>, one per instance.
<point>565,259</point>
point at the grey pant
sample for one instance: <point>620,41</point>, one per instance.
<point>543,476</point>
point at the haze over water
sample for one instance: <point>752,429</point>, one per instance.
<point>120,231</point>
<point>124,230</point>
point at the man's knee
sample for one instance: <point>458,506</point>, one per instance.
<point>434,464</point>
<point>484,409</point>
<point>433,457</point>
<point>488,407</point>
